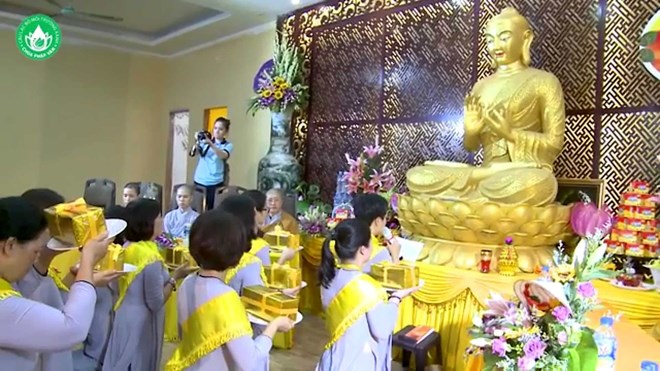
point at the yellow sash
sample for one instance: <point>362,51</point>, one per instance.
<point>140,254</point>
<point>354,300</point>
<point>6,290</point>
<point>215,323</point>
<point>257,245</point>
<point>246,260</point>
<point>54,274</point>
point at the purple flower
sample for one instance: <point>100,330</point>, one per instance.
<point>526,364</point>
<point>586,290</point>
<point>561,313</point>
<point>499,347</point>
<point>534,348</point>
<point>562,338</point>
<point>508,240</point>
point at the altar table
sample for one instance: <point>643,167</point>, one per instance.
<point>450,297</point>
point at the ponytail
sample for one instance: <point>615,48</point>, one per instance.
<point>327,269</point>
<point>348,236</point>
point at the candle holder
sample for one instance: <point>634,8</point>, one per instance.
<point>508,260</point>
<point>484,264</point>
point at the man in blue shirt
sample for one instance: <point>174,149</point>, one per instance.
<point>211,171</point>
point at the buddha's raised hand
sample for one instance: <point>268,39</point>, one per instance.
<point>473,120</point>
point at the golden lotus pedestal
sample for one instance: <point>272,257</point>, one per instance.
<point>454,231</point>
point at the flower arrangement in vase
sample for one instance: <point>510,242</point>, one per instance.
<point>544,327</point>
<point>280,86</point>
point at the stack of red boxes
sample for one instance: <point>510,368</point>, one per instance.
<point>634,232</point>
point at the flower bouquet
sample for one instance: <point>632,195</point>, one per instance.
<point>314,222</point>
<point>368,174</point>
<point>544,328</point>
<point>166,241</point>
<point>281,86</point>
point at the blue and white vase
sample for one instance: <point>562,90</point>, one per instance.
<point>279,168</point>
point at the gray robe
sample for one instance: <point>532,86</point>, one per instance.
<point>240,354</point>
<point>42,289</point>
<point>136,340</point>
<point>91,356</point>
<point>367,344</point>
<point>30,327</point>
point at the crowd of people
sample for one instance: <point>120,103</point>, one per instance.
<point>114,321</point>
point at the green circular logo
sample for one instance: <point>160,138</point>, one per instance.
<point>38,37</point>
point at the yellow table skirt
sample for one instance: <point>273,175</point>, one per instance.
<point>450,297</point>
<point>171,318</point>
<point>310,296</point>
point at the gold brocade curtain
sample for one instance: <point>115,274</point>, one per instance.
<point>450,297</point>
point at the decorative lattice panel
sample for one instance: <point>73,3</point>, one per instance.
<point>400,69</point>
<point>629,146</point>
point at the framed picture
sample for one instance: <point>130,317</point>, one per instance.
<point>568,190</point>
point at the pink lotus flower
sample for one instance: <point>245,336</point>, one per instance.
<point>586,219</point>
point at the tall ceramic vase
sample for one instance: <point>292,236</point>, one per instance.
<point>279,169</point>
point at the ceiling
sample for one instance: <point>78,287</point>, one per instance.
<point>166,28</point>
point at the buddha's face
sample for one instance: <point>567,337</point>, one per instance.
<point>505,41</point>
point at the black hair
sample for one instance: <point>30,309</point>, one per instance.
<point>20,219</point>
<point>116,212</point>
<point>258,197</point>
<point>140,217</point>
<point>217,240</point>
<point>348,236</point>
<point>369,207</point>
<point>134,186</point>
<point>226,123</point>
<point>243,208</point>
<point>42,198</point>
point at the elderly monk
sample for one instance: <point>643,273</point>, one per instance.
<point>517,115</point>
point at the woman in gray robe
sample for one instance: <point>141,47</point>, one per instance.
<point>217,244</point>
<point>136,339</point>
<point>367,343</point>
<point>29,327</point>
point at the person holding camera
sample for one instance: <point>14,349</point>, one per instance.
<point>214,150</point>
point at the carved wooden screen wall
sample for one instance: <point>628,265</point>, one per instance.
<point>400,69</point>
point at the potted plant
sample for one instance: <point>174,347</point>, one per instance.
<point>280,88</point>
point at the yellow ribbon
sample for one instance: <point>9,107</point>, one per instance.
<point>111,257</point>
<point>54,274</point>
<point>6,290</point>
<point>246,260</point>
<point>140,254</point>
<point>261,306</point>
<point>354,300</point>
<point>215,323</point>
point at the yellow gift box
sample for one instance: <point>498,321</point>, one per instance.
<point>75,222</point>
<point>283,276</point>
<point>113,259</point>
<point>279,238</point>
<point>268,304</point>
<point>175,256</point>
<point>275,256</point>
<point>189,259</point>
<point>396,276</point>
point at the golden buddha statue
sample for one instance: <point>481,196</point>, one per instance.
<point>517,115</point>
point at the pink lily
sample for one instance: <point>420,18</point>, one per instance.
<point>372,151</point>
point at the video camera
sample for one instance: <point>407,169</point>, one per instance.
<point>200,138</point>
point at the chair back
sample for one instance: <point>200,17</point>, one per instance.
<point>198,201</point>
<point>226,191</point>
<point>152,190</point>
<point>100,192</point>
